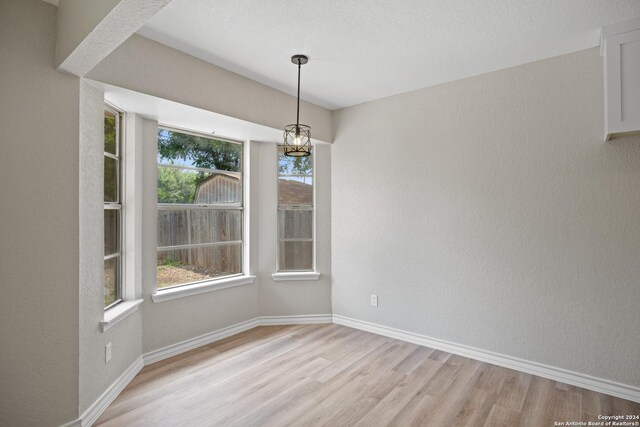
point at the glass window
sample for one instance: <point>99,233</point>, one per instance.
<point>295,213</point>
<point>200,212</point>
<point>112,208</point>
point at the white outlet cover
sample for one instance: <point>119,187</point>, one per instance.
<point>374,300</point>
<point>107,353</point>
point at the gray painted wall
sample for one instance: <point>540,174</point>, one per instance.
<point>76,19</point>
<point>295,297</point>
<point>126,336</point>
<point>490,213</point>
<point>39,226</point>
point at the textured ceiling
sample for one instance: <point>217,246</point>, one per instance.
<point>362,50</point>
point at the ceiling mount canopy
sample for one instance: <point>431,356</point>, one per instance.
<point>297,137</point>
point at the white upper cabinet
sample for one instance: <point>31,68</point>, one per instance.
<point>621,50</point>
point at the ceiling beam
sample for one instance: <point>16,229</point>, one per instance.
<point>89,30</point>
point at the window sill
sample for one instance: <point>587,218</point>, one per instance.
<point>200,288</point>
<point>119,312</point>
<point>295,275</point>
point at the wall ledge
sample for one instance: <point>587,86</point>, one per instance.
<point>201,288</point>
<point>295,276</point>
<point>118,313</point>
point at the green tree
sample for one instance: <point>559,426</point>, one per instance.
<point>295,165</point>
<point>110,165</point>
<point>200,151</point>
<point>176,185</point>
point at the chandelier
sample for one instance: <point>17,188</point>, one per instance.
<point>297,138</point>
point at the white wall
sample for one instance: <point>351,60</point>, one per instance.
<point>489,212</point>
<point>39,222</point>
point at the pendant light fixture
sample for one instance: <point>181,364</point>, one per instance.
<point>297,138</point>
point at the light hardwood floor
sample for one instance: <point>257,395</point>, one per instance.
<point>315,375</point>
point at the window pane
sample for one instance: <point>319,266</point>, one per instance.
<point>178,267</point>
<point>295,256</point>
<point>209,226</point>
<point>296,224</point>
<point>295,191</point>
<point>111,280</point>
<point>110,179</point>
<point>294,165</point>
<point>109,132</point>
<point>189,150</point>
<point>197,170</point>
<point>111,231</point>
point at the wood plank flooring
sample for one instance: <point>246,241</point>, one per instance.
<point>331,375</point>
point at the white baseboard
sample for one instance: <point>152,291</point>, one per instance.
<point>192,343</point>
<point>557,374</point>
<point>97,408</point>
<point>305,319</point>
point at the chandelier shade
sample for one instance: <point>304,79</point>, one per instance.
<point>297,140</point>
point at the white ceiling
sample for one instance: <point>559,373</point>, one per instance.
<point>362,50</point>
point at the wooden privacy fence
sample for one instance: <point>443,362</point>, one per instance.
<point>207,235</point>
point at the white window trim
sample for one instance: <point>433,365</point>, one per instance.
<point>131,222</point>
<point>295,276</point>
<point>119,312</point>
<point>168,294</point>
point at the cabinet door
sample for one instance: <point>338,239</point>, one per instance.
<point>622,83</point>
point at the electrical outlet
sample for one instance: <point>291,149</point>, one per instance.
<point>374,300</point>
<point>107,353</point>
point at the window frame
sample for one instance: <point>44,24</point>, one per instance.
<point>296,274</point>
<point>118,205</point>
<point>199,286</point>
